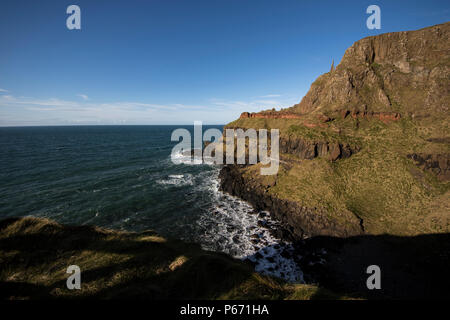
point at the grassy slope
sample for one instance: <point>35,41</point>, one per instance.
<point>34,255</point>
<point>379,183</point>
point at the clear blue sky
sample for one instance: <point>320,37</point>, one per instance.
<point>173,62</point>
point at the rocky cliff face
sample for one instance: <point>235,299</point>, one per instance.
<point>382,77</point>
<point>439,164</point>
<point>380,121</point>
<point>393,74</point>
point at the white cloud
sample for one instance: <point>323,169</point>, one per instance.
<point>3,90</point>
<point>85,97</point>
<point>55,111</point>
<point>270,96</point>
<point>25,111</point>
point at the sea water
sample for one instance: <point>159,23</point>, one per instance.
<point>122,177</point>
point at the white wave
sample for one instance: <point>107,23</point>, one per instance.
<point>186,158</point>
<point>177,180</point>
<point>176,176</point>
<point>232,226</point>
<point>180,158</point>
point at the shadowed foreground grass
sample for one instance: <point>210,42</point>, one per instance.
<point>35,253</point>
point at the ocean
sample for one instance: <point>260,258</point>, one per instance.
<point>123,178</point>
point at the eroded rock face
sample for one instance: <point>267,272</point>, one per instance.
<point>280,115</point>
<point>305,149</point>
<point>387,76</point>
<point>383,116</point>
<point>383,77</point>
<point>309,149</point>
<point>439,164</point>
<point>298,221</point>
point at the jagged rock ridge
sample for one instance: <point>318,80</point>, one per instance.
<point>393,74</point>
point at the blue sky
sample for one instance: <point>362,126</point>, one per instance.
<point>173,62</point>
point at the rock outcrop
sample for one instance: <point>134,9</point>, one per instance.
<point>366,82</point>
<point>270,115</point>
<point>383,116</point>
<point>438,164</point>
<point>306,149</point>
<point>387,76</point>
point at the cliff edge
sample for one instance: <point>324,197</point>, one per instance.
<point>367,150</point>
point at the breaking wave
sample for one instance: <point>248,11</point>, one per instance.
<point>234,227</point>
<point>177,180</point>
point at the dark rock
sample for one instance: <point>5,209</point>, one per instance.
<point>439,164</point>
<point>258,256</point>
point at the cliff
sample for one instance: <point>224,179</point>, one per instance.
<point>366,151</point>
<point>387,76</point>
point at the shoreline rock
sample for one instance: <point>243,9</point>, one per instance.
<point>298,221</point>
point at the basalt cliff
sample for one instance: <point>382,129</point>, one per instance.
<point>366,151</point>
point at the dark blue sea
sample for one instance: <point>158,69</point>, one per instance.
<point>122,177</point>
